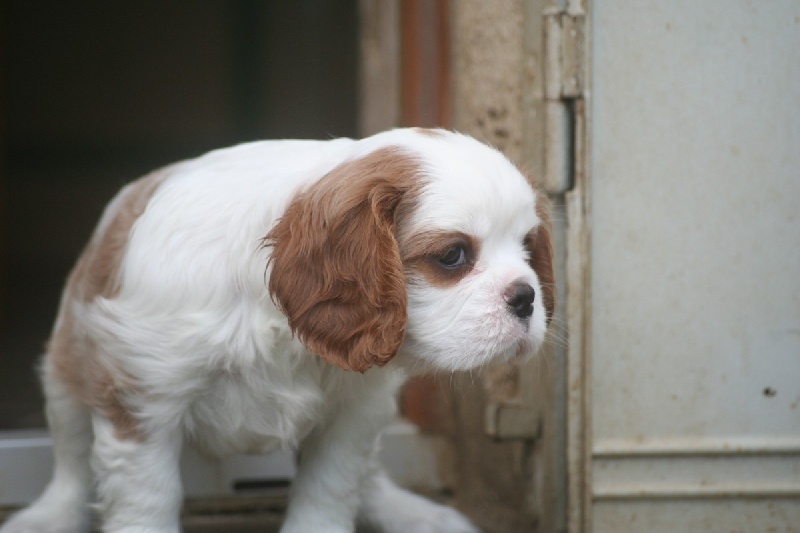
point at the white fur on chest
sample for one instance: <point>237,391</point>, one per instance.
<point>277,401</point>
<point>255,409</point>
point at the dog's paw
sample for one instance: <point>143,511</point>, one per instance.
<point>408,512</point>
<point>432,518</point>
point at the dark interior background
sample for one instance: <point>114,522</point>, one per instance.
<point>96,93</point>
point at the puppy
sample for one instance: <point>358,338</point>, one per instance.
<point>276,295</point>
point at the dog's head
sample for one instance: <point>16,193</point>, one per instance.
<point>424,243</point>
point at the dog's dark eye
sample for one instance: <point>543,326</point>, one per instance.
<point>454,257</point>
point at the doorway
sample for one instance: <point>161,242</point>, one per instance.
<point>97,94</point>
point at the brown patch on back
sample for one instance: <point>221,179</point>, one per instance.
<point>337,273</point>
<point>75,357</point>
<point>102,268</point>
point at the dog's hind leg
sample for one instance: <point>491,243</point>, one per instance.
<point>62,507</point>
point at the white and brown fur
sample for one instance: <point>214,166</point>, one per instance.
<point>276,295</point>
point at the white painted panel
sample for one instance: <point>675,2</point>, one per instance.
<point>26,462</point>
<point>695,191</point>
<point>726,516</point>
<point>408,456</point>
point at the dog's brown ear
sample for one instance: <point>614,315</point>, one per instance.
<point>540,248</point>
<point>336,271</point>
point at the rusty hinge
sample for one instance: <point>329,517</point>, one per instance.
<point>564,73</point>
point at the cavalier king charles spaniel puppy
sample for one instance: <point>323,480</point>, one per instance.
<point>276,295</point>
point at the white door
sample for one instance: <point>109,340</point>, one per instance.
<point>684,414</point>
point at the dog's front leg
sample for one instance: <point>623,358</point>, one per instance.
<point>138,479</point>
<point>333,461</point>
<point>391,509</point>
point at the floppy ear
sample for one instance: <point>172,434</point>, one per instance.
<point>540,248</point>
<point>336,268</point>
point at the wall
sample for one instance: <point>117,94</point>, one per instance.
<point>511,483</point>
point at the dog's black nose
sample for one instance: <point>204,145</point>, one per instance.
<point>520,296</point>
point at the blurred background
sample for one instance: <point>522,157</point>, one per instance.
<point>98,93</point>
<point>666,134</point>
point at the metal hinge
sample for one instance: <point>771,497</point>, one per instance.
<point>518,415</point>
<point>563,53</point>
<point>564,73</point>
